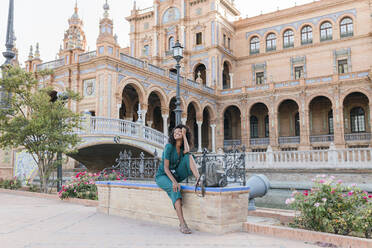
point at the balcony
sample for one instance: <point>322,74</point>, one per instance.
<point>358,137</point>
<point>321,138</point>
<point>259,141</point>
<point>227,143</point>
<point>289,140</point>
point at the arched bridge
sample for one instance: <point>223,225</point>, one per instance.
<point>103,139</point>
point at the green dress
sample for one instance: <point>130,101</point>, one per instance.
<point>179,165</point>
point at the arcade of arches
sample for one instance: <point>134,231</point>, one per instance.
<point>287,127</point>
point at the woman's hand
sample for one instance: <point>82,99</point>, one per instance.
<point>176,187</point>
<point>183,132</point>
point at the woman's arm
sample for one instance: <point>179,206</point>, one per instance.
<point>176,186</point>
<point>185,142</point>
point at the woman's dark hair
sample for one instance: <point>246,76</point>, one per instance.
<point>188,135</point>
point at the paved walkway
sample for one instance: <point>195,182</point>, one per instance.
<point>39,223</point>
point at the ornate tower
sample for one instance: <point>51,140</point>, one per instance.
<point>74,41</point>
<point>107,41</point>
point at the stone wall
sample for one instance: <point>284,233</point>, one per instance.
<point>222,210</point>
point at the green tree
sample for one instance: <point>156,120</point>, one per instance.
<point>33,122</point>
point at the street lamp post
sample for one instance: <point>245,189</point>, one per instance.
<point>8,54</point>
<point>178,56</point>
<point>61,96</point>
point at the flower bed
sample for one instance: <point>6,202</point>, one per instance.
<point>83,185</point>
<point>334,208</point>
<point>13,183</point>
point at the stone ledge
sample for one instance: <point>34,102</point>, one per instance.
<point>284,216</point>
<point>308,236</point>
<point>222,210</point>
<point>85,202</point>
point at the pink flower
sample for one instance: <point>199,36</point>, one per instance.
<point>350,193</point>
<point>370,196</point>
<point>306,193</point>
<point>339,181</point>
<point>290,201</point>
<point>321,181</point>
<point>365,197</point>
<point>333,191</point>
<point>324,199</point>
<point>317,204</point>
<point>353,185</point>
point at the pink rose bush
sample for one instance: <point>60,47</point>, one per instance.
<point>332,207</point>
<point>83,184</point>
<point>13,183</point>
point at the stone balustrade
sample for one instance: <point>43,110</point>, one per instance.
<point>84,57</point>
<point>51,64</point>
<point>118,127</point>
<point>360,158</point>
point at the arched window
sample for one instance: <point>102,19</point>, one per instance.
<point>171,43</point>
<point>297,124</point>
<point>288,39</point>
<point>271,42</point>
<point>255,45</point>
<point>346,27</point>
<point>330,122</point>
<point>306,35</point>
<point>326,31</point>
<point>357,119</point>
<point>267,127</point>
<point>254,127</point>
<point>226,76</point>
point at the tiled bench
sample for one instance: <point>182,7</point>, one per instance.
<point>222,210</point>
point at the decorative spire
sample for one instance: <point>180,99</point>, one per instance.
<point>106,7</point>
<point>9,54</point>
<point>134,5</point>
<point>37,52</point>
<point>75,15</point>
<point>31,54</point>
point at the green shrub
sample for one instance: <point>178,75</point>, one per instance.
<point>13,183</point>
<point>332,207</point>
<point>83,185</point>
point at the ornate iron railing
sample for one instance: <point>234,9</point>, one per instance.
<point>321,138</point>
<point>259,141</point>
<point>289,140</point>
<point>357,136</point>
<point>233,162</point>
<point>133,168</point>
<point>227,143</point>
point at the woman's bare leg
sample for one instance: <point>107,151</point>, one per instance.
<point>193,167</point>
<point>178,207</point>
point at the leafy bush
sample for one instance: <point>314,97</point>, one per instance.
<point>13,183</point>
<point>83,185</point>
<point>331,207</point>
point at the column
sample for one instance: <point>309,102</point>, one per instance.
<point>118,106</point>
<point>338,125</point>
<point>165,124</point>
<point>304,129</point>
<point>149,123</point>
<point>183,120</point>
<point>213,126</point>
<point>199,135</point>
<point>231,80</point>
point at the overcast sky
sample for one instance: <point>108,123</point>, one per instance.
<point>45,21</point>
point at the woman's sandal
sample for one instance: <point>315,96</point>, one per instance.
<point>185,229</point>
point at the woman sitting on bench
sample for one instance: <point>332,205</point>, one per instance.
<point>177,164</point>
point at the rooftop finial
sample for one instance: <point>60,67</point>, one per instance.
<point>37,52</point>
<point>31,54</point>
<point>75,15</point>
<point>134,5</point>
<point>106,7</point>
